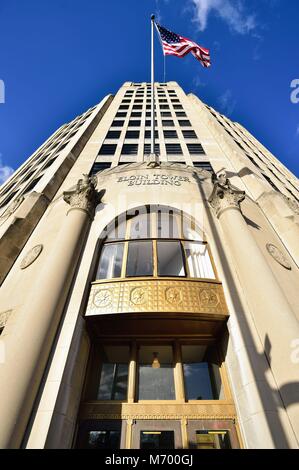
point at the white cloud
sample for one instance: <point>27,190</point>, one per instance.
<point>5,172</point>
<point>227,103</point>
<point>230,11</point>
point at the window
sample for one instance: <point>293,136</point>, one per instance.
<point>195,149</point>
<point>180,114</point>
<point>154,241</point>
<point>156,373</point>
<point>170,134</point>
<point>201,373</point>
<point>117,123</point>
<point>110,377</point>
<point>129,149</point>
<point>132,135</point>
<point>185,123</point>
<point>165,114</point>
<point>189,134</point>
<point>170,259</point>
<point>204,166</point>
<point>147,134</point>
<point>136,114</point>
<point>147,148</point>
<point>164,106</point>
<point>121,114</point>
<point>113,135</point>
<point>177,106</point>
<point>137,106</point>
<point>157,440</point>
<point>162,101</point>
<point>140,259</point>
<point>174,100</point>
<point>124,106</point>
<point>134,123</point>
<point>99,166</point>
<point>148,123</point>
<point>126,101</point>
<point>111,261</point>
<point>138,100</point>
<point>173,149</point>
<point>167,123</point>
<point>107,149</point>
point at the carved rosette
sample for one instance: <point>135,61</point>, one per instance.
<point>224,195</point>
<point>84,197</point>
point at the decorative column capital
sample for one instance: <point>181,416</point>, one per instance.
<point>84,197</point>
<point>224,195</point>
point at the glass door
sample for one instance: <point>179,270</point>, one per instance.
<point>155,434</point>
<point>212,435</point>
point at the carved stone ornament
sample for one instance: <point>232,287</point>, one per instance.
<point>278,256</point>
<point>102,298</point>
<point>293,205</point>
<point>31,256</point>
<point>224,194</point>
<point>12,207</point>
<point>84,196</point>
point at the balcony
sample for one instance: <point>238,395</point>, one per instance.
<point>203,298</point>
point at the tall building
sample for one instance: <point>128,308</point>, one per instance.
<point>149,304</point>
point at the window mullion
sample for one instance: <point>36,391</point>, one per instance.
<point>155,258</point>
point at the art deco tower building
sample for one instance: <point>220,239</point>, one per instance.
<point>149,305</point>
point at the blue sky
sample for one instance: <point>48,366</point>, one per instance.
<point>60,57</point>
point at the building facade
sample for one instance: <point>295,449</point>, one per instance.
<point>150,304</point>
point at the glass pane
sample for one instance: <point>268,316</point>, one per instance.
<point>157,440</point>
<point>156,380</point>
<point>167,225</point>
<point>198,260</point>
<point>110,261</point>
<point>212,440</point>
<point>113,382</point>
<point>140,226</point>
<point>140,259</point>
<point>202,377</point>
<point>103,440</point>
<point>170,259</point>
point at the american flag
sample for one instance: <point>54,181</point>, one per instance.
<point>174,44</point>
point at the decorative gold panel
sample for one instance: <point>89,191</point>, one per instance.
<point>156,295</point>
<point>202,410</point>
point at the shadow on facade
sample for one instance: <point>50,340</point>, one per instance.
<point>275,427</point>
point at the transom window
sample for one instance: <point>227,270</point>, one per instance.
<point>154,241</point>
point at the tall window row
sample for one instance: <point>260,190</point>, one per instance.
<point>160,366</point>
<point>158,243</point>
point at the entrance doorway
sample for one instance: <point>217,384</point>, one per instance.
<point>155,434</point>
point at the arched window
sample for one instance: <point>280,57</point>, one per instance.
<point>155,241</point>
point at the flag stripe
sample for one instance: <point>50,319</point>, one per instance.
<point>174,44</point>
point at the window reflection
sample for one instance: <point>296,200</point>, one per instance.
<point>201,375</point>
<point>155,373</point>
<point>170,259</point>
<point>212,440</point>
<point>111,261</point>
<point>157,440</point>
<point>140,259</point>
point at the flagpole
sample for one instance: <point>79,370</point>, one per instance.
<point>153,89</point>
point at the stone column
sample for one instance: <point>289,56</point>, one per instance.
<point>27,351</point>
<point>270,311</point>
